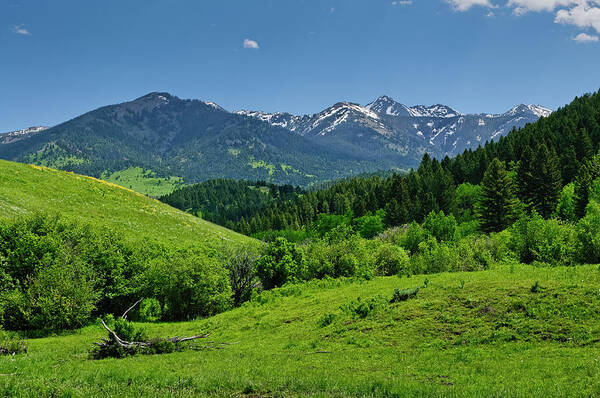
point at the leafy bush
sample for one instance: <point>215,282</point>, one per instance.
<point>343,254</point>
<point>282,262</point>
<point>588,235</point>
<point>391,260</point>
<point>413,237</point>
<point>61,296</point>
<point>369,225</point>
<point>10,344</point>
<point>188,285</point>
<point>536,239</point>
<point>241,266</point>
<point>404,294</point>
<point>442,227</point>
<point>565,209</point>
<point>150,310</point>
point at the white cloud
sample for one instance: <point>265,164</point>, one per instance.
<point>402,3</point>
<point>585,38</point>
<point>523,6</point>
<point>20,30</point>
<point>584,15</point>
<point>251,44</point>
<point>464,5</point>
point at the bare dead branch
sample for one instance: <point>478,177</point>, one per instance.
<point>124,316</point>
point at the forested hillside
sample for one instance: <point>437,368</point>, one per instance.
<point>541,159</point>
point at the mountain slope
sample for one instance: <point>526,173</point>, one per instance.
<point>164,138</point>
<point>191,139</point>
<point>27,189</point>
<point>390,129</point>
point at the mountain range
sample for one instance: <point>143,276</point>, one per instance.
<point>198,140</point>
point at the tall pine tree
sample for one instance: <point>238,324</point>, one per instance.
<point>497,208</point>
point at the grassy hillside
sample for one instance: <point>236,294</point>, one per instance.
<point>143,181</point>
<point>27,188</point>
<point>466,334</point>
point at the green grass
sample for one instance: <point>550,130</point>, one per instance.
<point>26,189</point>
<point>143,181</point>
<point>466,334</point>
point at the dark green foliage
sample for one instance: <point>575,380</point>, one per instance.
<point>497,208</point>
<point>241,266</point>
<point>362,308</point>
<point>536,288</point>
<point>282,262</point>
<point>539,179</point>
<point>326,320</point>
<point>221,201</point>
<point>589,172</point>
<point>404,294</point>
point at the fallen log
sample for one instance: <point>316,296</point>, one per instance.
<point>142,344</point>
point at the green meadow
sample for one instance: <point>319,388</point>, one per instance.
<point>512,331</point>
<point>28,189</point>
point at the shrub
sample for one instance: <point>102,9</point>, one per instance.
<point>442,227</point>
<point>282,262</point>
<point>61,296</point>
<point>189,285</point>
<point>10,344</point>
<point>404,294</point>
<point>150,310</point>
<point>326,320</point>
<point>391,260</point>
<point>565,209</point>
<point>370,225</point>
<point>588,235</point>
<point>241,266</point>
<point>536,239</point>
<point>339,257</point>
<point>319,264</point>
<point>363,308</point>
<point>413,237</point>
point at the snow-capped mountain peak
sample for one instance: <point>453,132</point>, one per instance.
<point>537,110</point>
<point>438,129</point>
<point>18,135</point>
<point>385,105</point>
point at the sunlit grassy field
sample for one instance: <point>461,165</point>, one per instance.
<point>26,189</point>
<point>143,181</point>
<point>466,334</point>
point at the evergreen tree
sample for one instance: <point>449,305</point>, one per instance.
<point>498,205</point>
<point>548,181</point>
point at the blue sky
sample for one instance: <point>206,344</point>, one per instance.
<point>61,58</point>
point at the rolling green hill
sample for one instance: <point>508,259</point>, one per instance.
<point>473,334</point>
<point>27,188</point>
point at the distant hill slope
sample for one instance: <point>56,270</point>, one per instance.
<point>26,189</point>
<point>163,138</point>
<point>191,139</point>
